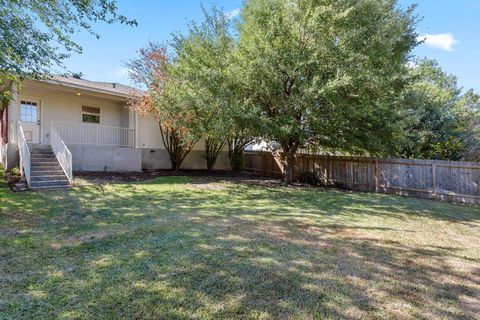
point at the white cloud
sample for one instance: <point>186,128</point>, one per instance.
<point>233,14</point>
<point>122,73</point>
<point>443,41</point>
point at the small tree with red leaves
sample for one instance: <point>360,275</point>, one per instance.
<point>164,99</point>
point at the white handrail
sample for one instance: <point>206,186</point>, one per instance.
<point>24,153</point>
<point>93,134</point>
<point>63,155</point>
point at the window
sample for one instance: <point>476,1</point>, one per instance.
<point>28,111</point>
<point>90,114</point>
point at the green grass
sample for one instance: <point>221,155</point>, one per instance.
<point>178,247</point>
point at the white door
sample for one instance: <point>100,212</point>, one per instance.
<point>30,119</point>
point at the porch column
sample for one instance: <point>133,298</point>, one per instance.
<point>132,126</point>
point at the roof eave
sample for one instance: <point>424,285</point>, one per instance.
<point>86,88</point>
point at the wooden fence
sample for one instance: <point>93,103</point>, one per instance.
<point>443,180</point>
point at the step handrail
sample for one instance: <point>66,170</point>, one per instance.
<point>63,155</point>
<point>24,154</point>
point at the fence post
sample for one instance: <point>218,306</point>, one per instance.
<point>351,174</point>
<point>434,180</point>
<point>375,175</point>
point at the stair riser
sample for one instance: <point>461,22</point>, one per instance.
<point>48,178</point>
<point>40,149</point>
<point>42,156</point>
<point>49,151</point>
<point>48,183</point>
<point>44,164</point>
<point>43,169</point>
<point>38,173</point>
<point>43,160</point>
<point>49,188</point>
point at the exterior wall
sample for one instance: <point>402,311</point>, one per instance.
<point>66,106</point>
<point>102,158</point>
<point>10,155</point>
<point>63,104</point>
<point>196,160</point>
<point>154,159</point>
<point>148,133</point>
<point>11,133</point>
<point>154,155</point>
<point>4,126</point>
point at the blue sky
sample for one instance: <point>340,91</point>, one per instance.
<point>451,27</point>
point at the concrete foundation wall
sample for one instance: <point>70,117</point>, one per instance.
<point>10,156</point>
<point>103,158</point>
<point>153,159</point>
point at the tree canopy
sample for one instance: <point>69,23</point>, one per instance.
<point>327,73</point>
<point>37,35</point>
<point>331,75</point>
<point>441,119</point>
<point>436,114</point>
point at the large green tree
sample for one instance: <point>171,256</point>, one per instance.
<point>468,113</point>
<point>36,36</point>
<point>203,64</point>
<point>202,58</point>
<point>326,72</point>
<point>437,114</point>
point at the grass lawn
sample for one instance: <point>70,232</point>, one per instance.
<point>179,247</point>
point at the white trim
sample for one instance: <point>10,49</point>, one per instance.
<point>86,88</point>
<point>21,97</point>
<point>92,114</point>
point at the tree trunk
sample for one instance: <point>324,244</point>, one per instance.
<point>288,161</point>
<point>176,165</point>
<point>235,155</point>
<point>177,150</point>
<point>236,159</point>
<point>213,147</point>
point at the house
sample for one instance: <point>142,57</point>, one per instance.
<point>55,127</point>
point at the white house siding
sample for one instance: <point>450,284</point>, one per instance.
<point>60,103</point>
<point>66,106</point>
<point>154,155</point>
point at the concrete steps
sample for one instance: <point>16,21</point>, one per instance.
<point>45,171</point>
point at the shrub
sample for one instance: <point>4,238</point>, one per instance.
<point>309,177</point>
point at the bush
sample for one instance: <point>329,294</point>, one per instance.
<point>15,171</point>
<point>309,177</point>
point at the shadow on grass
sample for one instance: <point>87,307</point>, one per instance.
<point>135,251</point>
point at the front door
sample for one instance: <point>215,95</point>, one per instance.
<point>30,119</point>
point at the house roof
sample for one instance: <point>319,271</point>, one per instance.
<point>102,87</point>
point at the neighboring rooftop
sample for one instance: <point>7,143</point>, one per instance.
<point>105,87</point>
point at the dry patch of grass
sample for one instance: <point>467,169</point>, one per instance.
<point>179,247</point>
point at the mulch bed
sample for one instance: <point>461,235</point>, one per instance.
<point>214,176</point>
<point>12,179</point>
<point>146,175</point>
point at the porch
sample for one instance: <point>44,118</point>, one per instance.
<point>75,147</point>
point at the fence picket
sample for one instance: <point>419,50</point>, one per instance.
<point>446,180</point>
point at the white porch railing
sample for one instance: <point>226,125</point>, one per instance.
<point>92,134</point>
<point>24,154</point>
<point>62,153</point>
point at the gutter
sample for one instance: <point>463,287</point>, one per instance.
<point>86,88</point>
